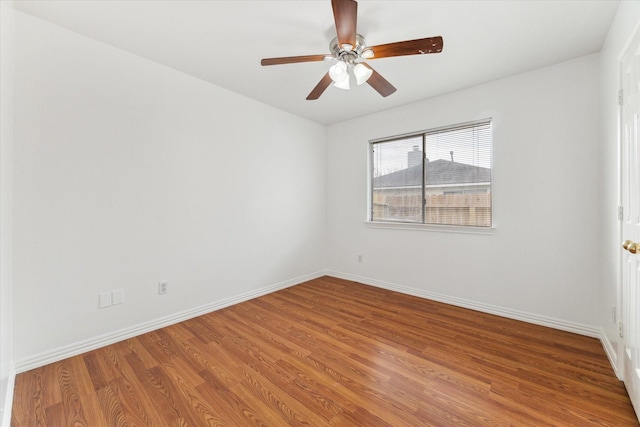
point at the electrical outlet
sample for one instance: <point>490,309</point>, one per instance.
<point>360,259</point>
<point>163,288</point>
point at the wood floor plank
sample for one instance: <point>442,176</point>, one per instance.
<point>55,416</point>
<point>112,408</point>
<point>224,366</point>
<point>231,406</point>
<point>332,352</point>
<point>135,390</point>
<point>51,394</point>
<point>28,396</point>
<point>320,392</point>
<point>193,406</point>
<point>131,399</point>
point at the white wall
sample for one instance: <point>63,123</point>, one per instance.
<point>542,258</point>
<point>128,173</point>
<point>6,157</point>
<point>626,21</point>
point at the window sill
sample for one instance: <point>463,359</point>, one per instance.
<point>429,227</point>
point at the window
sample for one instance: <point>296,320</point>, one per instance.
<point>440,176</point>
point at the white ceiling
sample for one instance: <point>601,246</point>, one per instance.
<point>223,41</point>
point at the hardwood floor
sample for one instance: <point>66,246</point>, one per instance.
<point>338,353</point>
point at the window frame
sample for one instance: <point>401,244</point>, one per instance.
<point>425,226</point>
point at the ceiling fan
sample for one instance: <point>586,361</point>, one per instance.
<point>349,51</point>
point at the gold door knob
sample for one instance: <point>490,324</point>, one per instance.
<point>631,246</point>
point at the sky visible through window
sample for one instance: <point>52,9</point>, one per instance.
<point>471,146</point>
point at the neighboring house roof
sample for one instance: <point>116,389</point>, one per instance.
<point>438,172</point>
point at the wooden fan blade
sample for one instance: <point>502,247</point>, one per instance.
<point>379,83</point>
<point>408,47</point>
<point>345,14</point>
<point>293,59</point>
<point>320,87</point>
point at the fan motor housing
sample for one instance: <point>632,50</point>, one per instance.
<point>348,55</point>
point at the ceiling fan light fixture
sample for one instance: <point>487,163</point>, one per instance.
<point>339,72</point>
<point>344,84</point>
<point>367,54</point>
<point>362,73</point>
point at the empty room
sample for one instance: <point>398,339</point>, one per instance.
<point>321,213</point>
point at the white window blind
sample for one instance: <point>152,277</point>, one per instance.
<point>439,176</point>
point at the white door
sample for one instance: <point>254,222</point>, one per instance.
<point>630,168</point>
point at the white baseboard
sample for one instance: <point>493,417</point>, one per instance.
<point>612,354</point>
<point>91,344</point>
<point>5,414</point>
<point>537,319</point>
